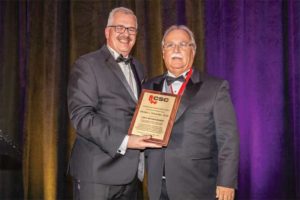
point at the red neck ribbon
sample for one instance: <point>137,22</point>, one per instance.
<point>183,86</point>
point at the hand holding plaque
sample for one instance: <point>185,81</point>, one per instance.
<point>155,115</point>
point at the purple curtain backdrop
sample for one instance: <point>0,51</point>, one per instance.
<point>255,46</point>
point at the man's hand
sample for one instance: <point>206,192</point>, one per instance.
<point>224,193</point>
<point>138,142</point>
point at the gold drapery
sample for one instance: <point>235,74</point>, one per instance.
<point>44,38</point>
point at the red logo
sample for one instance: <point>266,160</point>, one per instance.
<point>151,99</point>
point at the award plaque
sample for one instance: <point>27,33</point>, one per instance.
<point>155,115</point>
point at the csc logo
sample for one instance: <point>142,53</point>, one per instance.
<point>153,99</point>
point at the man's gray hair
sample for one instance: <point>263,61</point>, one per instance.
<point>123,10</point>
<point>180,27</point>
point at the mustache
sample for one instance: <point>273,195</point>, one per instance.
<point>176,55</point>
<point>121,37</point>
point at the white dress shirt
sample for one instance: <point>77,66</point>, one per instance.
<point>126,69</point>
<point>176,85</point>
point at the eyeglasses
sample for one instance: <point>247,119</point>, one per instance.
<point>121,29</point>
<point>181,45</point>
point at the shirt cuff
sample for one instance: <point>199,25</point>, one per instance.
<point>123,147</point>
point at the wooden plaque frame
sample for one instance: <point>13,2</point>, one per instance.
<point>155,115</point>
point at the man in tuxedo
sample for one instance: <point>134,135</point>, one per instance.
<point>201,158</point>
<point>102,94</point>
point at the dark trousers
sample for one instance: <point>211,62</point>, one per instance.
<point>94,191</point>
<point>164,194</point>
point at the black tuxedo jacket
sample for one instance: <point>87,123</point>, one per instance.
<point>101,105</point>
<point>203,150</point>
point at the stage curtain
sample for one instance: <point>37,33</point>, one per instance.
<point>39,42</point>
<point>255,45</point>
<point>252,44</point>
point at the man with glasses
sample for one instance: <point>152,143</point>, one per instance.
<point>102,94</point>
<point>201,158</point>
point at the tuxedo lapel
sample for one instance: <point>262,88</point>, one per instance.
<point>137,78</point>
<point>191,89</point>
<point>113,65</point>
<point>158,85</point>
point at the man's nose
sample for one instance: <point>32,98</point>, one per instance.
<point>126,32</point>
<point>177,48</point>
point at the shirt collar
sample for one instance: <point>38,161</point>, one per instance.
<point>183,74</point>
<point>113,52</point>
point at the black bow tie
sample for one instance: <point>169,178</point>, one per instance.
<point>125,60</point>
<point>171,80</point>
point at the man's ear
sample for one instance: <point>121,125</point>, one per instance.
<point>106,31</point>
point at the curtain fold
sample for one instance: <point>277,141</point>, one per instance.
<point>255,45</point>
<point>40,157</point>
<point>291,25</point>
<point>11,99</point>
